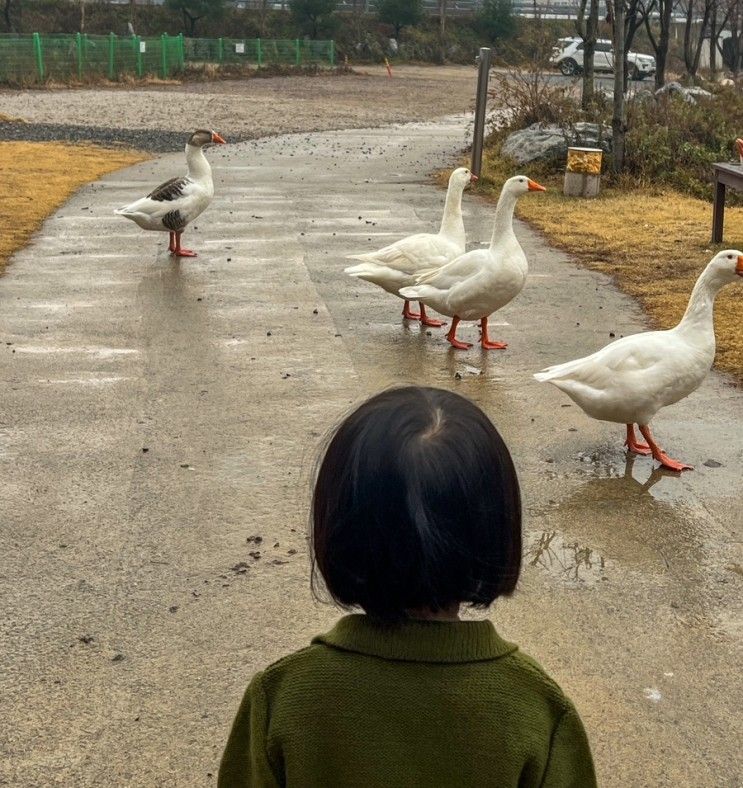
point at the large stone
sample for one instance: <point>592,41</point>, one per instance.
<point>687,94</point>
<point>544,142</point>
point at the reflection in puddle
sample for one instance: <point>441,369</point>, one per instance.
<point>570,562</point>
<point>602,464</point>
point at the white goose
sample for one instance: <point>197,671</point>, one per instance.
<point>631,379</point>
<point>177,202</point>
<point>478,283</point>
<point>398,264</point>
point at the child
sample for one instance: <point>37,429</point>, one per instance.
<point>416,512</point>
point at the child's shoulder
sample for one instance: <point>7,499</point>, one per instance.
<point>304,661</point>
<point>532,678</point>
<point>515,670</point>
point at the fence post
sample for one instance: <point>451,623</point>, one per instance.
<point>299,54</point>
<point>332,53</point>
<point>259,50</point>
<point>164,54</point>
<point>138,46</point>
<point>220,50</point>
<point>483,75</point>
<point>181,50</point>
<point>79,51</point>
<point>39,56</point>
<point>111,54</point>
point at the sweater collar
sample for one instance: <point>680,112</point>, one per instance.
<point>418,641</point>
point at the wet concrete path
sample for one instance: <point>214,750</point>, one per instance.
<point>158,425</point>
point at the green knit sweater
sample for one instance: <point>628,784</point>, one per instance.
<point>422,704</point>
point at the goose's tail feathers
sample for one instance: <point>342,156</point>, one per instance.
<point>362,270</point>
<point>558,371</point>
<point>418,292</point>
<point>368,257</point>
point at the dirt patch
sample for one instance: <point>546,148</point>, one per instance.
<point>250,108</point>
<point>653,243</point>
<point>39,177</point>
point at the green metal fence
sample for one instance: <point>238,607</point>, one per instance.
<point>36,58</point>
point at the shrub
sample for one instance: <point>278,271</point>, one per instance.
<point>674,142</point>
<point>496,20</point>
<point>313,16</point>
<point>400,13</point>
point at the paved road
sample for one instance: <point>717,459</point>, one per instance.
<point>159,418</point>
<point>602,81</point>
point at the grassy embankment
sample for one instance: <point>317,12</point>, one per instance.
<point>653,243</point>
<point>38,177</point>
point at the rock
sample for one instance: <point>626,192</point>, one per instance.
<point>644,96</point>
<point>713,464</point>
<point>540,141</point>
<point>689,95</point>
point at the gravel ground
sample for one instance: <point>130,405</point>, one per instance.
<point>155,118</point>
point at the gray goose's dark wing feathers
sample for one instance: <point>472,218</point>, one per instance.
<point>170,190</point>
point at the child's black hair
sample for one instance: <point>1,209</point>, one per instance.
<point>416,506</point>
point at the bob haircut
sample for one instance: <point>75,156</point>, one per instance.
<point>416,507</point>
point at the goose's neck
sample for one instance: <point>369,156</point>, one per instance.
<point>697,321</point>
<point>198,166</point>
<point>452,223</point>
<point>503,226</point>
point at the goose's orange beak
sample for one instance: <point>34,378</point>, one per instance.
<point>217,140</point>
<point>739,265</point>
<point>473,178</point>
<point>536,187</point>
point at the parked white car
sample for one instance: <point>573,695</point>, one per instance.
<point>567,55</point>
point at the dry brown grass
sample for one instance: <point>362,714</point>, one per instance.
<point>39,176</point>
<point>653,243</point>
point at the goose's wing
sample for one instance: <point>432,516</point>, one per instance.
<point>462,267</point>
<point>171,189</point>
<point>413,253</point>
<point>176,194</point>
<point>640,359</point>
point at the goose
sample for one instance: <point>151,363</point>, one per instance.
<point>177,202</point>
<point>631,379</point>
<point>397,265</point>
<point>478,283</point>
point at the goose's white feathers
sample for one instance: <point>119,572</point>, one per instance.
<point>478,283</point>
<point>631,379</point>
<point>189,200</point>
<point>177,202</point>
<point>397,265</point>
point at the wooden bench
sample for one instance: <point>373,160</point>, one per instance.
<point>725,175</point>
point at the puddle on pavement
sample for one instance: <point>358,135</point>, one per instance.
<point>566,560</point>
<point>611,523</point>
<point>639,474</point>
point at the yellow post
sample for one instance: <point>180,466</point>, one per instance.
<point>583,172</point>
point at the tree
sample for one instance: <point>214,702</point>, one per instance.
<point>718,7</point>
<point>193,10</point>
<point>588,29</point>
<point>660,39</point>
<point>312,15</point>
<point>497,20</point>
<point>616,16</point>
<point>693,40</point>
<point>7,13</point>
<point>635,14</point>
<point>400,13</point>
<point>735,10</point>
